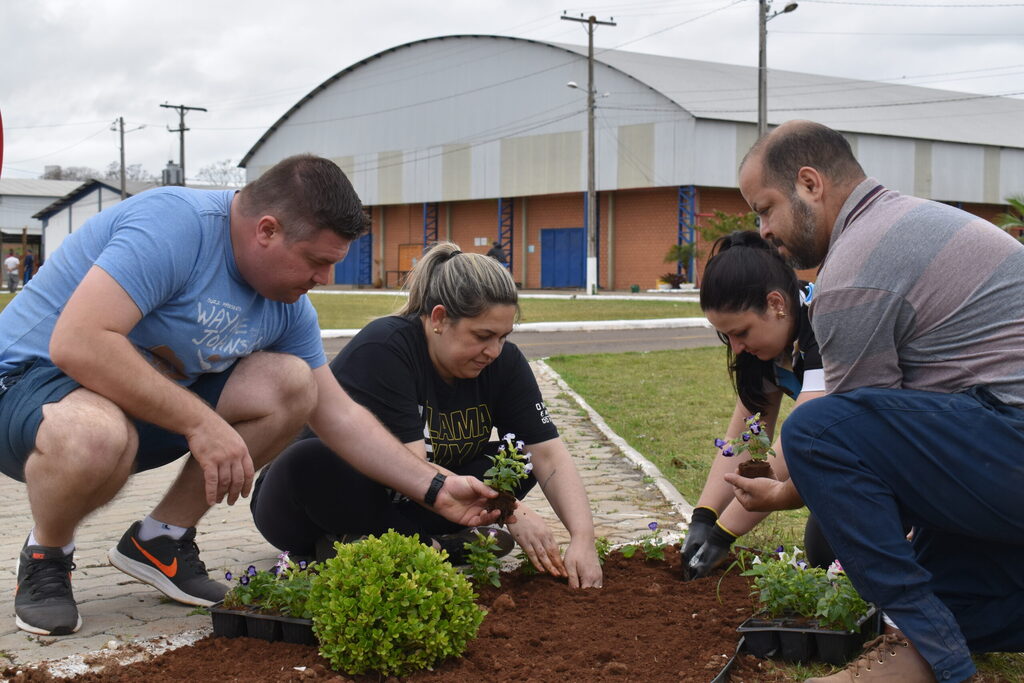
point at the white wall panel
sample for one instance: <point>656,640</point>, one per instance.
<point>958,172</point>
<point>715,154</point>
<point>891,160</point>
<point>1011,173</point>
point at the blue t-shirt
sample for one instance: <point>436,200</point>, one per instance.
<point>170,250</point>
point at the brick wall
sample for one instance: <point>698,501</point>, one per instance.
<point>645,225</point>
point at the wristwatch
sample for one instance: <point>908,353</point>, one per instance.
<point>435,487</point>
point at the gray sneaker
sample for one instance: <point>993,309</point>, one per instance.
<point>44,603</point>
<point>171,566</point>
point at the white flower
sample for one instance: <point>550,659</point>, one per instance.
<point>834,570</point>
<point>527,456</point>
<point>529,467</point>
<point>519,445</point>
<point>509,437</point>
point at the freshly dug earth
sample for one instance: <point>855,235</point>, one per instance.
<point>644,625</point>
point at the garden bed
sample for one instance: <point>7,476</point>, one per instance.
<point>645,624</point>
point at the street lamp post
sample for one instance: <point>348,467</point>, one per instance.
<point>592,227</point>
<point>764,7</point>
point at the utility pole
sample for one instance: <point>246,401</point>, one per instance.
<point>181,131</point>
<point>592,227</point>
<point>119,126</point>
<point>763,7</point>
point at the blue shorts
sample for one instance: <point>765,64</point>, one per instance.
<point>25,391</point>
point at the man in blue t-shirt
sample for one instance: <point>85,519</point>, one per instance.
<point>177,323</point>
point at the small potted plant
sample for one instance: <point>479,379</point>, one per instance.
<point>271,604</point>
<point>805,612</point>
<point>508,467</point>
<point>673,280</point>
<point>755,441</point>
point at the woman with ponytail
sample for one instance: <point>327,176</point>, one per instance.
<point>759,308</point>
<point>439,375</point>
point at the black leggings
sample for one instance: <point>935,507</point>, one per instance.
<point>309,491</point>
<point>816,549</point>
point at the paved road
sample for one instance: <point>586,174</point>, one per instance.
<point>543,344</point>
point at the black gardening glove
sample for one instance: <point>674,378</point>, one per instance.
<point>711,554</point>
<point>701,523</point>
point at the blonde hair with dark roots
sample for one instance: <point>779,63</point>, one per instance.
<point>465,284</point>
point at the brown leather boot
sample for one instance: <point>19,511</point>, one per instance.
<point>889,657</point>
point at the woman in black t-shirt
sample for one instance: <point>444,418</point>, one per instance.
<point>759,308</point>
<point>440,376</point>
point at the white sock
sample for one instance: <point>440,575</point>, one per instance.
<point>68,549</point>
<point>151,528</point>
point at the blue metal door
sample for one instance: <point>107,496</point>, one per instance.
<point>563,257</point>
<point>357,267</point>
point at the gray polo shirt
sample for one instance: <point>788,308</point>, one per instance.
<point>916,294</point>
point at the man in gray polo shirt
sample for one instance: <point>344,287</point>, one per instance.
<point>919,314</point>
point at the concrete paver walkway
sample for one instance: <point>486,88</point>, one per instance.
<point>626,494</point>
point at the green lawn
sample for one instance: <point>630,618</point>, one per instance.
<point>345,311</point>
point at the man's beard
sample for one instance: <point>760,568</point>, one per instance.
<point>801,248</point>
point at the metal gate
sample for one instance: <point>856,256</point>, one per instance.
<point>563,257</point>
<point>357,268</point>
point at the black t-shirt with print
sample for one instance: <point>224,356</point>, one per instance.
<point>386,368</point>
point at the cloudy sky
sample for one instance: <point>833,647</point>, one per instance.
<point>71,68</point>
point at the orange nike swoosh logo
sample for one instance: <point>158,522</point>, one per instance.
<point>169,570</point>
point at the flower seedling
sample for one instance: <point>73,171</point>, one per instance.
<point>840,607</point>
<point>652,544</point>
<point>603,547</point>
<point>753,440</point>
<point>786,586</point>
<point>508,467</point>
<point>283,589</point>
<point>482,559</point>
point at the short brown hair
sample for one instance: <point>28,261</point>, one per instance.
<point>797,144</point>
<point>306,193</point>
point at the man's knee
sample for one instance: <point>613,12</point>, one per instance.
<point>275,383</point>
<point>85,432</point>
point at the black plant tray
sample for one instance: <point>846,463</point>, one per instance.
<point>794,642</point>
<point>233,623</point>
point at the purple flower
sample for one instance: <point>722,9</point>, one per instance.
<point>780,550</point>
<point>755,428</point>
<point>746,436</point>
<point>227,575</point>
<point>653,526</point>
<point>244,580</point>
<point>274,570</point>
<point>719,443</point>
<point>251,571</point>
<point>302,564</point>
<point>727,452</point>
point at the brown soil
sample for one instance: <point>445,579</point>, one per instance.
<point>752,469</point>
<point>505,503</point>
<point>644,625</point>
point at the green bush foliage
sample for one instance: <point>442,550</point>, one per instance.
<point>391,605</point>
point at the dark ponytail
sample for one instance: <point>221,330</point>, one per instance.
<point>738,277</point>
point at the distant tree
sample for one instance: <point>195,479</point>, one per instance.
<point>132,173</point>
<point>1013,220</point>
<point>225,173</point>
<point>70,173</point>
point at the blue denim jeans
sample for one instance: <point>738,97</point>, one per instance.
<point>870,461</point>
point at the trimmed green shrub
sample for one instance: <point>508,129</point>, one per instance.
<point>391,605</point>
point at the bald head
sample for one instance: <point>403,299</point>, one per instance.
<point>796,144</point>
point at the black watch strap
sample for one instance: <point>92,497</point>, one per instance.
<point>435,487</point>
